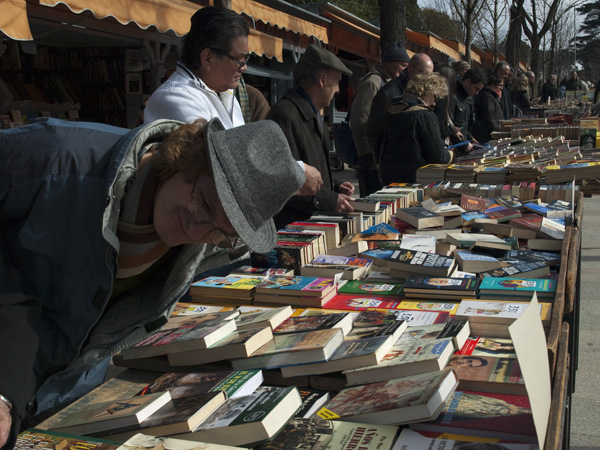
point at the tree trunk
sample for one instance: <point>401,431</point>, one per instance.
<point>223,4</point>
<point>393,22</point>
<point>513,38</point>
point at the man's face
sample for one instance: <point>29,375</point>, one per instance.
<point>330,85</point>
<point>472,89</point>
<point>186,212</point>
<point>503,72</point>
<point>531,77</point>
<point>574,75</point>
<point>394,68</point>
<point>466,362</point>
<point>553,80</point>
<point>221,72</point>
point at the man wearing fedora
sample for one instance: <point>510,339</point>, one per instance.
<point>316,80</point>
<point>103,230</point>
<point>393,62</point>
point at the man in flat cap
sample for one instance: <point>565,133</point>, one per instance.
<point>298,113</point>
<point>393,62</point>
<point>461,67</point>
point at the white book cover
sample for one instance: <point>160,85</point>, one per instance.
<point>419,242</point>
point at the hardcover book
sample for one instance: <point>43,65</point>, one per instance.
<point>106,416</point>
<point>294,348</point>
<point>250,420</point>
<point>393,402</point>
<point>488,374</point>
<point>403,359</point>
<point>184,333</point>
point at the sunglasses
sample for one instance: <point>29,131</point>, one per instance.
<point>241,63</point>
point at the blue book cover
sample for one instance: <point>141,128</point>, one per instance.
<point>381,228</point>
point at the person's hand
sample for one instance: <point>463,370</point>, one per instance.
<point>5,423</point>
<point>313,182</point>
<point>474,141</point>
<point>469,147</point>
<point>343,203</point>
<point>460,136</point>
<point>346,188</point>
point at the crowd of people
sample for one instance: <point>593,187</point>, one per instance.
<point>103,229</point>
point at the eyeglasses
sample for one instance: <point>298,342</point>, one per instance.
<point>241,63</point>
<point>198,210</point>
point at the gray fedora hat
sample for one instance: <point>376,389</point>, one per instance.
<point>255,175</point>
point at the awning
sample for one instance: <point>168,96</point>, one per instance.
<point>279,19</point>
<point>13,20</point>
<point>264,44</point>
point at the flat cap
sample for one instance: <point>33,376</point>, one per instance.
<point>396,52</point>
<point>320,58</point>
<point>461,65</point>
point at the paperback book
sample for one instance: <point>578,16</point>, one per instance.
<point>371,288</point>
<point>440,286</point>
<point>488,374</point>
<point>301,286</point>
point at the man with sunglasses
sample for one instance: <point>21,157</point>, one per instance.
<point>214,56</point>
<point>102,230</point>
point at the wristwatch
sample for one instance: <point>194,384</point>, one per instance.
<point>6,401</point>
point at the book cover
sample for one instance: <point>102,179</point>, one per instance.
<point>518,287</point>
<point>47,439</point>
<point>238,344</point>
<point>483,414</point>
<point>403,359</point>
<point>319,434</point>
<point>497,312</point>
<point>393,402</point>
<point>534,269</point>
<point>303,286</point>
<point>472,203</point>
<point>420,217</point>
<point>302,323</point>
<point>293,348</point>
<point>373,236</point>
<point>488,374</point>
<point>184,333</point>
<point>430,305</point>
<point>488,346</point>
<point>420,440</point>
<point>476,262</point>
<point>229,286</point>
<point>421,262</point>
<point>357,303</point>
<point>249,420</point>
<point>102,417</point>
<point>145,442</point>
<point>268,317</point>
<point>358,287</point>
<point>183,384</point>
<point>419,242</point>
<point>312,401</point>
<point>423,284</point>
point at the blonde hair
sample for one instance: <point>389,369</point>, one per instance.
<point>428,83</point>
<point>520,83</point>
<point>182,151</point>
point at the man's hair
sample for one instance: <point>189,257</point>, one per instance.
<point>212,27</point>
<point>427,83</point>
<point>476,75</point>
<point>306,76</point>
<point>183,150</point>
<point>501,65</point>
<point>483,361</point>
<point>495,79</point>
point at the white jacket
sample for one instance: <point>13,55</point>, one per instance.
<point>185,97</point>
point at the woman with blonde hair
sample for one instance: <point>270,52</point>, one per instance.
<point>412,132</point>
<point>519,91</point>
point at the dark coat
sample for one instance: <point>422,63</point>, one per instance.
<point>391,90</point>
<point>549,91</point>
<point>488,114</point>
<point>521,99</point>
<point>506,104</point>
<point>463,114</point>
<point>308,143</point>
<point>412,140</point>
<point>574,85</point>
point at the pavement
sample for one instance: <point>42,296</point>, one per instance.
<point>585,400</point>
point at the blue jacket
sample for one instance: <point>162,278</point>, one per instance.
<point>61,186</point>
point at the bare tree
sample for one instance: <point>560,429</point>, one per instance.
<point>488,28</point>
<point>515,27</point>
<point>393,22</point>
<point>468,12</point>
<point>535,27</point>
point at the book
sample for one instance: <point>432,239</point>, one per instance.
<point>349,248</point>
<point>503,214</point>
<point>312,401</point>
<point>183,384</point>
<point>105,416</point>
<point>472,202</point>
<point>238,344</point>
<point>551,229</point>
<point>420,217</point>
<point>468,240</point>
<point>250,420</point>
<point>296,324</point>
<point>319,434</point>
<point>229,286</point>
<point>533,269</point>
<point>419,242</point>
<point>403,359</point>
<point>375,236</point>
<point>421,262</point>
<point>327,266</point>
<point>261,271</point>
<point>430,305</point>
<point>423,440</point>
<point>500,416</point>
<point>296,301</point>
<point>365,204</point>
<point>332,231</point>
<point>180,415</point>
<point>488,346</point>
<point>301,286</point>
<point>393,402</point>
<point>366,288</point>
<point>184,333</point>
<point>364,346</point>
<point>440,286</point>
<point>511,288</point>
<point>475,262</point>
<point>269,317</point>
<point>294,348</point>
<point>497,312</point>
<point>47,439</point>
<point>146,442</point>
<point>488,374</point>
